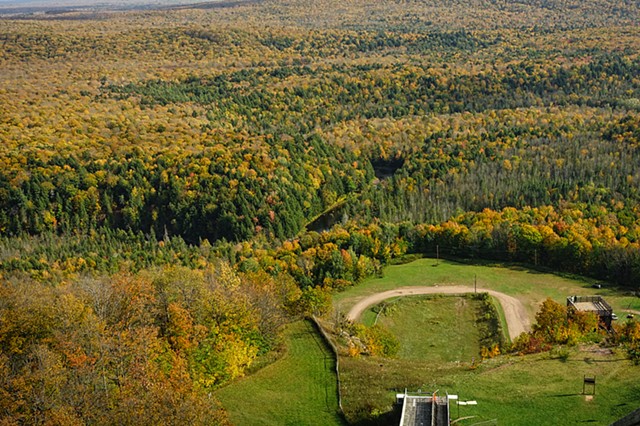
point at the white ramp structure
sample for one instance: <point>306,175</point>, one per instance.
<point>424,410</point>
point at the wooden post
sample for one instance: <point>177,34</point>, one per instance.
<point>589,381</point>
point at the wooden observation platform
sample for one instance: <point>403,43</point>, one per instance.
<point>594,304</point>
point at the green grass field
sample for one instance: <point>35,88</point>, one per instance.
<point>543,389</point>
<point>530,390</point>
<point>298,389</point>
<point>429,317</point>
<point>540,389</point>
<point>531,287</point>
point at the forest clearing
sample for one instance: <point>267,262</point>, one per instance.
<point>515,314</point>
<point>437,352</point>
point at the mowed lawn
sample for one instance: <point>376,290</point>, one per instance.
<point>541,389</point>
<point>424,325</point>
<point>531,287</point>
<point>298,389</point>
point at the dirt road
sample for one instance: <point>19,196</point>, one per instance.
<point>514,311</point>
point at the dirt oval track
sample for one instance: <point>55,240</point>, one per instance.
<point>514,311</point>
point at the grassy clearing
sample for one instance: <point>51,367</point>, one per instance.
<point>529,390</point>
<point>539,389</point>
<point>531,287</point>
<point>298,389</point>
<point>429,317</point>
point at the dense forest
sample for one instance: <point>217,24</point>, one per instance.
<point>178,184</point>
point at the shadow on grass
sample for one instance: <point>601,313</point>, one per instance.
<point>599,361</point>
<point>407,258</point>
<point>384,419</point>
<point>585,360</point>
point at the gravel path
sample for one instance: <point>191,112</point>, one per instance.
<point>514,311</point>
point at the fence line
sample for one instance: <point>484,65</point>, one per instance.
<point>334,349</point>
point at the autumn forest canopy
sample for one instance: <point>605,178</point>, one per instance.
<point>177,184</point>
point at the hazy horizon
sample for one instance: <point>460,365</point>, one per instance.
<point>61,3</point>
